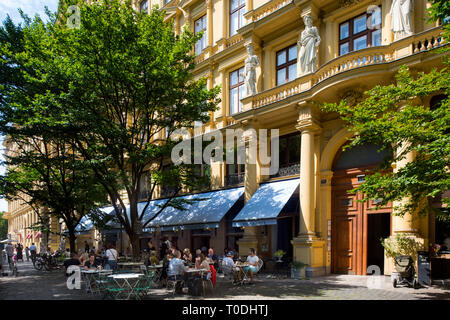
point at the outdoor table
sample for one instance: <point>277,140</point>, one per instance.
<point>89,277</point>
<point>130,265</point>
<point>157,269</point>
<point>128,282</point>
<point>241,265</point>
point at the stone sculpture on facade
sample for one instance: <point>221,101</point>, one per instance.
<point>401,17</point>
<point>309,41</point>
<point>251,63</point>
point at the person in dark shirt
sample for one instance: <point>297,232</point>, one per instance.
<point>73,261</point>
<point>93,262</point>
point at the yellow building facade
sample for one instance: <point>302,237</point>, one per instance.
<point>325,227</point>
<point>360,47</point>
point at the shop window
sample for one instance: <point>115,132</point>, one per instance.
<point>286,64</point>
<point>360,32</point>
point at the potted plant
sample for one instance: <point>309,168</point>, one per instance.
<point>278,255</point>
<point>297,269</point>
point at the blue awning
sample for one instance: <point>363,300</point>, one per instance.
<point>205,213</point>
<point>266,204</point>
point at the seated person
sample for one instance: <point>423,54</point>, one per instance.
<point>177,270</point>
<point>166,261</point>
<point>214,257</point>
<point>92,263</point>
<point>251,264</point>
<point>153,259</point>
<point>229,266</point>
<point>73,261</point>
<point>187,255</point>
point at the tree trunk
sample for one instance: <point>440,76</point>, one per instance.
<point>72,239</point>
<point>135,245</point>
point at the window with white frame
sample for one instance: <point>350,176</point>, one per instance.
<point>237,10</point>
<point>236,90</point>
<point>199,26</point>
<point>360,32</point>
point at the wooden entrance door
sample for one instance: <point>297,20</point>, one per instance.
<point>349,223</point>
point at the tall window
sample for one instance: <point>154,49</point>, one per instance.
<point>236,90</point>
<point>144,6</point>
<point>199,26</point>
<point>286,64</point>
<point>289,149</point>
<point>360,32</point>
<point>237,10</point>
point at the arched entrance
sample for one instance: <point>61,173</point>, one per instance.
<point>356,228</point>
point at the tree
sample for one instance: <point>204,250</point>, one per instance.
<point>125,83</point>
<point>42,168</point>
<point>3,227</point>
<point>391,116</point>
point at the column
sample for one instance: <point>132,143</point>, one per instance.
<point>250,239</point>
<point>308,248</point>
<point>209,27</point>
<point>410,224</point>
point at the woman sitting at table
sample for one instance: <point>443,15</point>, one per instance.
<point>187,255</point>
<point>92,262</point>
<point>202,263</point>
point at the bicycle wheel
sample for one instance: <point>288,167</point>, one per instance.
<point>47,266</point>
<point>38,264</point>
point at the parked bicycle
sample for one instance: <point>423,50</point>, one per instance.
<point>47,261</point>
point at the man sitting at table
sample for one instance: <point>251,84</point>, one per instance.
<point>93,262</point>
<point>251,264</point>
<point>177,270</point>
<point>229,266</point>
<point>73,261</point>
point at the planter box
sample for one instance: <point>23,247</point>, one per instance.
<point>298,273</point>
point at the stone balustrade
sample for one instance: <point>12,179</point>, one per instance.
<point>266,9</point>
<point>421,42</point>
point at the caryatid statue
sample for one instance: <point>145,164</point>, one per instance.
<point>251,63</point>
<point>309,41</point>
<point>401,15</point>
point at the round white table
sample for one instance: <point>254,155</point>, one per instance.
<point>89,277</point>
<point>128,282</point>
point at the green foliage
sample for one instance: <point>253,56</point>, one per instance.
<point>401,245</point>
<point>396,117</point>
<point>107,90</point>
<point>279,253</point>
<point>297,265</point>
<point>3,227</point>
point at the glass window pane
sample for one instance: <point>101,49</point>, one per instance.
<point>343,31</point>
<point>241,93</point>
<point>282,148</point>
<point>294,149</point>
<point>292,72</point>
<point>359,24</point>
<point>293,53</point>
<point>233,101</point>
<point>281,76</point>
<point>144,6</point>
<point>343,49</point>
<point>242,2</point>
<point>360,43</point>
<point>241,18</point>
<point>281,58</point>
<point>233,78</point>
<point>376,38</point>
<point>241,75</point>
<point>234,4</point>
<point>234,23</point>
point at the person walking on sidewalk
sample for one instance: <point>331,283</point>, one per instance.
<point>27,253</point>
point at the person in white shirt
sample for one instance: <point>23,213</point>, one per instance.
<point>252,264</point>
<point>111,254</point>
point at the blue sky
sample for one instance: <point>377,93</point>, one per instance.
<point>30,7</point>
